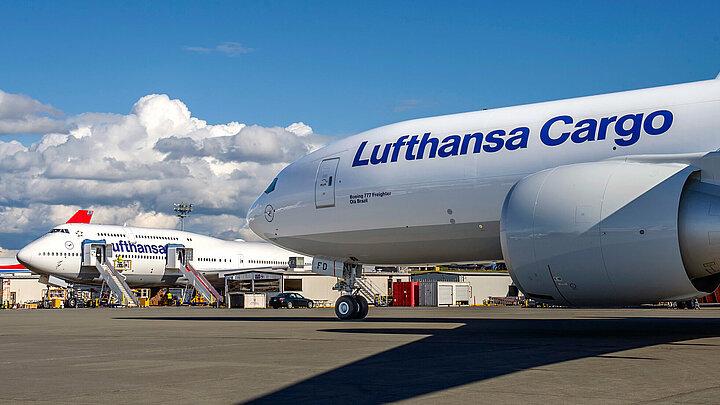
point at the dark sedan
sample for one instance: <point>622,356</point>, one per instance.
<point>290,300</point>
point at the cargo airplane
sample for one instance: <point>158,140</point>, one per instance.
<point>141,255</point>
<point>607,200</point>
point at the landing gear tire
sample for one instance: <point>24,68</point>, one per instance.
<point>346,307</point>
<point>363,307</point>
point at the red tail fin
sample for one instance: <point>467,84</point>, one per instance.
<point>81,217</point>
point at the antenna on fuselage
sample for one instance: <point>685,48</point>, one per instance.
<point>182,211</point>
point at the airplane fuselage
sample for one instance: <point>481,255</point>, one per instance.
<point>431,190</point>
<point>140,254</point>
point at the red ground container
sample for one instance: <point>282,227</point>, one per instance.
<point>406,293</point>
<point>713,298</point>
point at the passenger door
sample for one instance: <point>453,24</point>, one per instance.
<point>325,183</point>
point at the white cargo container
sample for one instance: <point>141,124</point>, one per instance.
<point>246,300</point>
<point>449,293</point>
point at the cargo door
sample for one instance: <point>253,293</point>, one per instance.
<point>325,183</point>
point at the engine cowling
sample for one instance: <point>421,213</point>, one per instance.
<point>613,233</point>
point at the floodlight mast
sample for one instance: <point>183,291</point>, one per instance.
<point>182,211</point>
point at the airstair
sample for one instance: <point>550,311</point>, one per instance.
<point>371,293</point>
<point>201,284</point>
<point>98,254</point>
<point>117,284</point>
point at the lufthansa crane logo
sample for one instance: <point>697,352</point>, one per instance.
<point>269,213</point>
<point>69,245</point>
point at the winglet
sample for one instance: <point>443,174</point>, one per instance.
<point>81,217</point>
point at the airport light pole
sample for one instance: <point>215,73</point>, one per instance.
<point>182,210</point>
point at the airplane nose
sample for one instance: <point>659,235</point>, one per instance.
<point>259,217</point>
<point>24,256</point>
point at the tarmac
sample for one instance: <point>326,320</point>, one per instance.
<point>419,355</point>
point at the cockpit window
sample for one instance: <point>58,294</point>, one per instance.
<point>59,230</point>
<point>271,187</point>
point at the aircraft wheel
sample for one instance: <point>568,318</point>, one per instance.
<point>363,307</point>
<point>346,307</point>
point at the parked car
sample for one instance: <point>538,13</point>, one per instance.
<point>290,300</point>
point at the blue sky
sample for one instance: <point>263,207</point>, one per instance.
<point>343,67</point>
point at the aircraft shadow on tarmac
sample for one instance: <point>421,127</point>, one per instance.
<point>477,350</point>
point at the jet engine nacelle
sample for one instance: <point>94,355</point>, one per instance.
<point>613,232</point>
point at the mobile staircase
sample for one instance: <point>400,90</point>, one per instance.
<point>371,293</point>
<point>117,284</point>
<point>201,284</point>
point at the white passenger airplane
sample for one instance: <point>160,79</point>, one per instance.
<point>140,255</point>
<point>9,267</point>
<point>606,200</point>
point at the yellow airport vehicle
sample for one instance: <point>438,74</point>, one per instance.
<point>54,298</point>
<point>143,295</point>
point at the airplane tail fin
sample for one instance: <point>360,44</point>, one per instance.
<point>81,217</point>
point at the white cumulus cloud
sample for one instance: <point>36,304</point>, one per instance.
<point>131,168</point>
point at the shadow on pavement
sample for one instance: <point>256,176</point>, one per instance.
<point>477,350</point>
